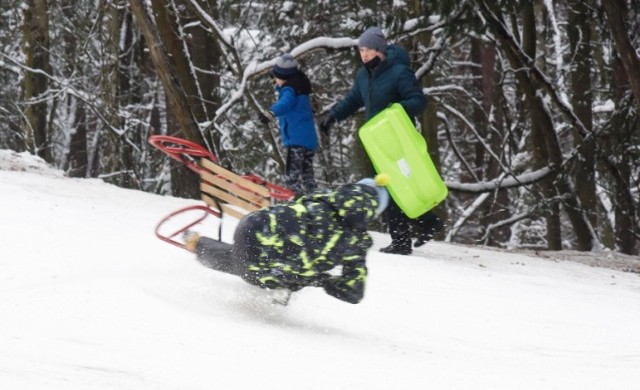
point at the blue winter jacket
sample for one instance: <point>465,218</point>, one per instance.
<point>295,117</point>
<point>392,81</point>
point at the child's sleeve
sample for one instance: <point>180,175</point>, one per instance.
<point>349,286</point>
<point>285,103</point>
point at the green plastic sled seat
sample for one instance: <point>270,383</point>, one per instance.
<point>396,148</point>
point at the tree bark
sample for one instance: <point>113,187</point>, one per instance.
<point>540,124</point>
<point>115,159</point>
<point>486,83</point>
<point>177,97</point>
<point>77,161</point>
<point>579,32</point>
<point>619,164</point>
<point>205,54</point>
<point>615,11</point>
<point>173,89</point>
<point>35,84</point>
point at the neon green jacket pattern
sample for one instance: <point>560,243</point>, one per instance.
<point>296,244</point>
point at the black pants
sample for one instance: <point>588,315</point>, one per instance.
<point>299,175</point>
<point>402,228</point>
<point>399,225</point>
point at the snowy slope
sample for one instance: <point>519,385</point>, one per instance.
<point>91,299</point>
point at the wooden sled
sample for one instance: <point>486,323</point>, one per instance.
<point>222,191</point>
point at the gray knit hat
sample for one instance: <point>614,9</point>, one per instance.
<point>285,67</point>
<point>373,38</point>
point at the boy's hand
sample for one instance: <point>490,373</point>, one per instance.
<point>264,119</point>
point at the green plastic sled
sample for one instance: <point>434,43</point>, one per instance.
<point>396,148</point>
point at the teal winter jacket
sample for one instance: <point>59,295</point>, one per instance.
<point>392,81</point>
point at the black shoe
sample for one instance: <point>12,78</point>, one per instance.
<point>423,237</point>
<point>398,249</point>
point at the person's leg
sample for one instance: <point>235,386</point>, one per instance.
<point>245,242</point>
<point>399,230</point>
<point>253,253</point>
<point>293,170</point>
<point>237,258</point>
<point>308,174</point>
<point>426,226</point>
<point>219,256</point>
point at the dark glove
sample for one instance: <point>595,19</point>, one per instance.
<point>326,121</point>
<point>264,119</point>
<point>336,287</point>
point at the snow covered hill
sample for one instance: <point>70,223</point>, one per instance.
<point>91,299</point>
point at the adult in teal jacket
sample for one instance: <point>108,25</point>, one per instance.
<point>381,82</point>
<point>297,127</point>
<point>385,78</point>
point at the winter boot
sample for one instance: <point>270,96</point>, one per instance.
<point>399,230</point>
<point>190,240</point>
<point>398,247</point>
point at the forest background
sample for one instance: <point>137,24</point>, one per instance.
<point>532,117</point>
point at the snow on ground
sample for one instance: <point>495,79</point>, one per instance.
<point>91,299</point>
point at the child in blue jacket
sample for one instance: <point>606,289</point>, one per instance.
<point>297,126</point>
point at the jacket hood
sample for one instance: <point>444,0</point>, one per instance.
<point>397,55</point>
<point>355,205</point>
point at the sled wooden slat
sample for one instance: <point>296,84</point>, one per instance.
<point>231,211</point>
<point>239,180</point>
<point>234,189</point>
<point>226,197</point>
<point>226,209</point>
<point>223,189</point>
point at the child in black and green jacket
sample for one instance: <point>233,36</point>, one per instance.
<point>294,245</point>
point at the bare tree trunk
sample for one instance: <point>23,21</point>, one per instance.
<point>111,153</point>
<point>429,118</point>
<point>579,32</point>
<point>429,124</point>
<point>166,20</point>
<point>197,59</point>
<point>205,55</point>
<point>486,80</point>
<point>77,159</point>
<point>539,120</point>
<point>173,88</point>
<point>35,84</point>
<point>618,164</point>
<point>173,80</point>
<point>616,11</point>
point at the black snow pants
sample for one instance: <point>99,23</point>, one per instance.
<point>232,258</point>
<point>299,175</point>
